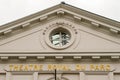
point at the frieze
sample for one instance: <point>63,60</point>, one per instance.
<point>59,67</point>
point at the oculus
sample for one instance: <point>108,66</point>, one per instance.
<point>60,37</point>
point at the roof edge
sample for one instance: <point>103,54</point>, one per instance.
<point>66,6</point>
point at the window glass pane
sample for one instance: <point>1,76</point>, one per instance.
<point>55,37</point>
<point>60,38</point>
<point>56,43</point>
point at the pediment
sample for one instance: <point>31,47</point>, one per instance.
<point>90,32</point>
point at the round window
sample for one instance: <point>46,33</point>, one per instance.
<point>60,37</point>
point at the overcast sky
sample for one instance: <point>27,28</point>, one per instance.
<point>11,10</point>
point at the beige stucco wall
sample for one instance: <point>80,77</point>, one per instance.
<point>86,39</point>
<point>93,52</point>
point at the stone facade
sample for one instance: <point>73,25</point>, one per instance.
<point>78,44</point>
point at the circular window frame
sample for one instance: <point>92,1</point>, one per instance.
<point>60,31</point>
<point>52,28</point>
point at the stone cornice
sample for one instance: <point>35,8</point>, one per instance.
<point>63,9</point>
<point>60,53</point>
<point>61,56</point>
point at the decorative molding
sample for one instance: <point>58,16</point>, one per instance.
<point>78,18</point>
<point>59,25</point>
<point>25,25</point>
<point>60,12</point>
<point>114,30</point>
<point>41,57</point>
<point>77,57</point>
<point>22,57</point>
<point>4,57</point>
<point>115,57</point>
<point>95,24</point>
<point>43,18</point>
<point>69,53</point>
<point>58,57</point>
<point>95,57</point>
<point>7,31</point>
<point>92,20</point>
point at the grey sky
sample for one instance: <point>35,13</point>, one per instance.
<point>11,10</point>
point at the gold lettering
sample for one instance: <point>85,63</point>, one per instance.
<point>31,67</point>
<point>40,67</point>
<point>107,67</point>
<point>50,67</point>
<point>16,68</point>
<point>62,67</point>
<point>80,67</point>
<point>92,67</point>
<point>65,68</point>
<point>25,68</point>
<point>96,67</point>
<point>36,67</point>
<point>102,67</point>
<point>11,67</point>
<point>21,68</point>
<point>58,67</point>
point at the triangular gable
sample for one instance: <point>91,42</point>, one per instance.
<point>95,33</point>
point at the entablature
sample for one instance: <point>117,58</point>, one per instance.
<point>60,55</point>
